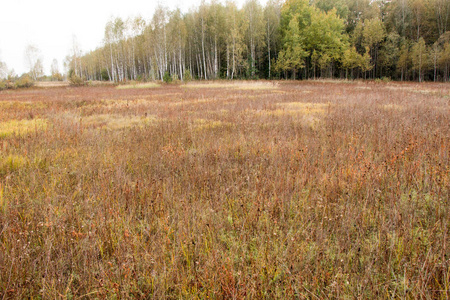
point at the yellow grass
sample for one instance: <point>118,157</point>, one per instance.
<point>19,105</point>
<point>203,124</point>
<point>11,163</point>
<point>21,127</point>
<point>304,108</point>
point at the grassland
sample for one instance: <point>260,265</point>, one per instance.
<point>309,190</point>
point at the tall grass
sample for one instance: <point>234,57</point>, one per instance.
<point>230,194</point>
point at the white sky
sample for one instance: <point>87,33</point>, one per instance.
<point>51,24</point>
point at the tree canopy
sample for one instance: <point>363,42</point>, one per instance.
<point>400,39</point>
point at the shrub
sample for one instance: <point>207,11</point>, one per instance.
<point>175,78</point>
<point>187,75</point>
<point>104,74</point>
<point>24,81</point>
<point>167,78</point>
<point>76,80</point>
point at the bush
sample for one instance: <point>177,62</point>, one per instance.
<point>383,79</point>
<point>175,78</point>
<point>76,80</point>
<point>104,74</point>
<point>187,75</point>
<point>24,81</point>
<point>167,78</point>
<point>57,77</point>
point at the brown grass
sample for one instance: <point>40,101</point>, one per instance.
<point>313,190</point>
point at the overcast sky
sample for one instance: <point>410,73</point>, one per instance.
<point>51,24</point>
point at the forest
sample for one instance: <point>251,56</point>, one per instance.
<point>293,39</point>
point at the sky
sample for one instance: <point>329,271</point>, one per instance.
<point>51,25</point>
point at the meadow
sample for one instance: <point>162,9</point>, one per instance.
<point>226,190</point>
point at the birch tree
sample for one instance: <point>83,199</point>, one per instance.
<point>33,61</point>
<point>272,15</point>
<point>419,57</point>
<point>255,32</point>
<point>235,45</point>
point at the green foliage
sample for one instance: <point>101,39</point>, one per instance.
<point>222,40</point>
<point>310,32</point>
<point>373,32</point>
<point>390,52</point>
<point>104,75</point>
<point>167,78</point>
<point>351,58</point>
<point>364,62</point>
<point>420,57</point>
<point>341,7</point>
<point>404,60</point>
<point>291,57</point>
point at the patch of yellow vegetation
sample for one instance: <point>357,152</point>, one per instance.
<point>64,154</point>
<point>304,108</point>
<point>17,105</point>
<point>148,85</point>
<point>11,163</point>
<point>203,124</point>
<point>119,103</point>
<point>189,102</point>
<point>2,199</point>
<point>114,121</point>
<point>21,127</point>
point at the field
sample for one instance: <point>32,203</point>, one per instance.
<point>243,190</point>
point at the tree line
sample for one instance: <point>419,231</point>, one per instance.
<point>396,39</point>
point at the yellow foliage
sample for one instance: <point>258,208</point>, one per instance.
<point>304,108</point>
<point>202,124</point>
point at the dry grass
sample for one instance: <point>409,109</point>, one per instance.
<point>239,85</point>
<point>148,85</point>
<point>319,190</point>
<point>51,84</point>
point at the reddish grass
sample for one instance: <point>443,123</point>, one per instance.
<point>300,189</point>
